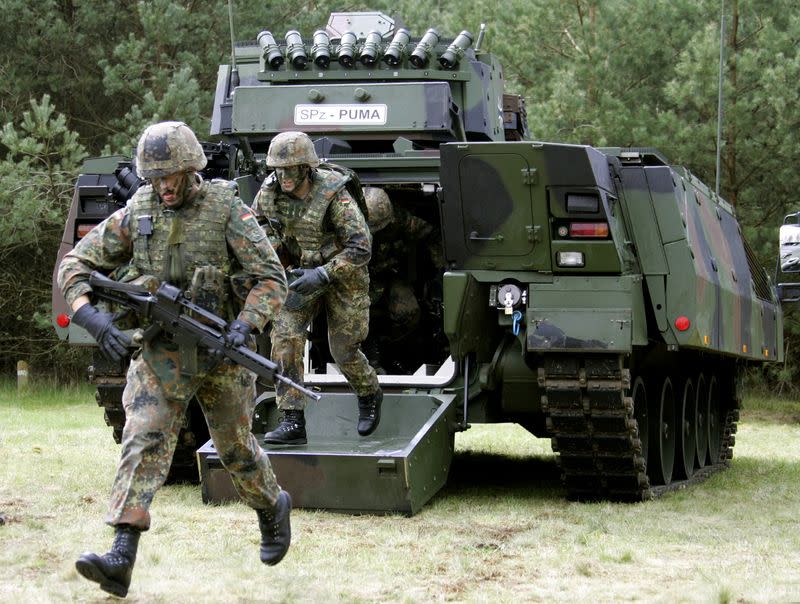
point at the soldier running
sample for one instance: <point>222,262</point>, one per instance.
<point>195,235</point>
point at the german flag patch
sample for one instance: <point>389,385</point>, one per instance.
<point>247,216</point>
<point>344,199</point>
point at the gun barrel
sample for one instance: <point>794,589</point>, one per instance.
<point>265,368</point>
<point>309,393</point>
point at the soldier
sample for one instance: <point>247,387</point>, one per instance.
<point>193,234</point>
<point>395,310</point>
<point>305,205</point>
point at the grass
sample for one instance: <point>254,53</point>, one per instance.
<point>500,531</point>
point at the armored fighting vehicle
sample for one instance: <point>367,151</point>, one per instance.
<point>626,303</point>
<point>601,298</point>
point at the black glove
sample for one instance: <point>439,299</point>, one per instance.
<point>113,343</point>
<point>308,280</point>
<point>237,334</point>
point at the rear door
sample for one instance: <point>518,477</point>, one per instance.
<point>494,207</point>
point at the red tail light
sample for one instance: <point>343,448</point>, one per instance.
<point>595,230</point>
<point>682,323</point>
<point>83,229</point>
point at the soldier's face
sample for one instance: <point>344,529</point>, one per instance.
<point>172,189</point>
<point>290,178</point>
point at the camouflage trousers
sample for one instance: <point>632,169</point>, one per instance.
<point>153,421</point>
<point>347,309</point>
<point>394,307</point>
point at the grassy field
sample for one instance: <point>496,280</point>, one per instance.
<point>501,531</point>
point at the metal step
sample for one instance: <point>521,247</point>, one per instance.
<point>397,469</point>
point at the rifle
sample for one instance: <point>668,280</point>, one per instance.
<point>168,310</point>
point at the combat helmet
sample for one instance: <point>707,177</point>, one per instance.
<point>291,149</point>
<point>166,148</point>
<point>379,208</point>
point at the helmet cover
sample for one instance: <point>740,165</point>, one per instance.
<point>291,149</point>
<point>379,209</point>
<point>166,148</point>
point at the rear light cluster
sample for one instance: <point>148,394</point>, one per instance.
<point>584,230</point>
<point>574,231</point>
<point>583,227</point>
<point>584,220</point>
<point>589,230</point>
<point>83,229</point>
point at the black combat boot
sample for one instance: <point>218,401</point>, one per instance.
<point>276,531</point>
<point>291,430</point>
<point>112,570</point>
<point>369,412</point>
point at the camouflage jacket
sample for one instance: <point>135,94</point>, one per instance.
<point>391,243</point>
<point>328,213</point>
<point>112,244</point>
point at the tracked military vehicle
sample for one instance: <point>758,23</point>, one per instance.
<point>601,298</point>
<point>626,304</point>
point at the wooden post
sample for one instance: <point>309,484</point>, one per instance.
<point>22,376</point>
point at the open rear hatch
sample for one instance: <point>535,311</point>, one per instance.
<point>398,468</point>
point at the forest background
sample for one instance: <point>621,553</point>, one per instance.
<point>84,77</point>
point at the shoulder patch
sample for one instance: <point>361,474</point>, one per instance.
<point>251,229</point>
<point>344,198</point>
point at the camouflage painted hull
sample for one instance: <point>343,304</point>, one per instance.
<point>623,306</point>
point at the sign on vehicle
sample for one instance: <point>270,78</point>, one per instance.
<point>343,115</point>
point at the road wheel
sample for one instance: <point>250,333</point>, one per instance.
<point>701,430</point>
<point>687,435</point>
<point>662,434</point>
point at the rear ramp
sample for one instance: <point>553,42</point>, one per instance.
<point>397,469</point>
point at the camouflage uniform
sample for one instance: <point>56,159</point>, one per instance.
<point>395,310</point>
<point>300,227</point>
<point>214,229</point>
<point>198,236</point>
<point>389,246</point>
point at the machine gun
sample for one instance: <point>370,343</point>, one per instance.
<point>189,324</point>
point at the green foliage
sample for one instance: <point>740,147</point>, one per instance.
<point>37,175</point>
<point>155,66</point>
<point>180,100</point>
<point>53,47</point>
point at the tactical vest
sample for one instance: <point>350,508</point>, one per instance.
<point>188,248</point>
<point>173,244</point>
<point>301,219</point>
